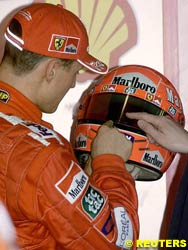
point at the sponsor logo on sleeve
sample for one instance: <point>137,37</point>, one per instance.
<point>92,202</point>
<point>105,224</point>
<point>108,226</point>
<point>42,131</point>
<point>72,185</point>
<point>38,132</point>
<point>4,96</point>
<point>124,226</point>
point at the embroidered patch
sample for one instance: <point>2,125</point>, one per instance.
<point>105,224</point>
<point>64,44</point>
<point>73,183</point>
<point>81,141</point>
<point>4,96</point>
<point>42,131</point>
<point>108,226</point>
<point>108,88</point>
<point>92,202</point>
<point>38,132</point>
<point>124,226</point>
<point>153,158</point>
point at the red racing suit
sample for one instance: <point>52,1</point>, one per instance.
<point>53,203</point>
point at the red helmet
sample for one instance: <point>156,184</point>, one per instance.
<point>131,88</point>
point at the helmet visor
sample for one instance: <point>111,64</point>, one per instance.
<point>112,106</point>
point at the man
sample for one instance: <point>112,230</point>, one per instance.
<point>54,204</point>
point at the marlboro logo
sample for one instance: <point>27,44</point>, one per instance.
<point>73,183</point>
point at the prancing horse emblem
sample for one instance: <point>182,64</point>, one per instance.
<point>58,43</point>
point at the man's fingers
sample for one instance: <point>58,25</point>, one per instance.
<point>148,128</point>
<point>153,119</point>
<point>106,126</point>
<point>109,124</point>
<point>140,116</point>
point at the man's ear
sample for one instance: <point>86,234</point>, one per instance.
<point>51,69</point>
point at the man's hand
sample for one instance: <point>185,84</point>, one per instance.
<point>110,141</point>
<point>162,130</point>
